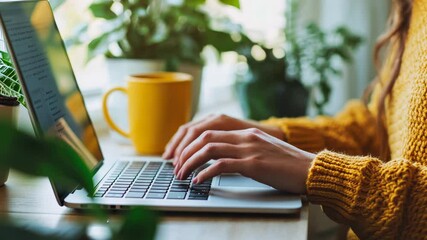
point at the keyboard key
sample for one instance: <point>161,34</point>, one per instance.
<point>143,181</point>
<point>161,184</point>
<point>198,197</point>
<point>200,189</point>
<point>146,177</point>
<point>198,194</point>
<point>141,184</point>
<point>182,186</point>
<point>99,194</point>
<point>116,192</point>
<point>127,178</point>
<point>178,190</point>
<point>155,195</point>
<point>135,195</point>
<point>157,191</point>
<point>138,190</point>
<point>176,195</point>
<point>166,179</point>
<point>121,182</point>
<point>114,195</point>
<point>122,185</point>
<point>160,188</point>
<point>101,191</point>
<point>182,181</point>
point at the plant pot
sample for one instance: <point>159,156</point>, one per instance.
<point>263,99</point>
<point>9,114</point>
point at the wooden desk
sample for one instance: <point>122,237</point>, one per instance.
<point>30,202</point>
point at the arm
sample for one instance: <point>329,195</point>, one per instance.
<point>353,131</point>
<point>378,200</point>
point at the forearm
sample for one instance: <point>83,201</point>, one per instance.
<point>377,200</point>
<point>353,131</point>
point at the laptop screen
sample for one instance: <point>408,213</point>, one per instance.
<point>53,97</point>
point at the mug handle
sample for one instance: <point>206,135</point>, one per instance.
<point>107,113</point>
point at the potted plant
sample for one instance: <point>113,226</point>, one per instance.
<point>154,36</point>
<point>277,86</point>
<point>264,90</point>
<point>310,55</point>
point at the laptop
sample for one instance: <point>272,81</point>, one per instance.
<point>56,105</point>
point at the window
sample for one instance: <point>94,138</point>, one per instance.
<point>2,44</point>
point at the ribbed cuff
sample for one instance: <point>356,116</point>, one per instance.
<point>336,180</point>
<point>300,132</point>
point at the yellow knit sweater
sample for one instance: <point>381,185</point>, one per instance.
<point>378,200</point>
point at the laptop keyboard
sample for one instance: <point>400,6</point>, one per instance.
<point>150,180</point>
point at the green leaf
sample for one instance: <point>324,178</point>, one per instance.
<point>139,223</point>
<point>194,3</point>
<point>78,36</point>
<point>101,44</point>
<point>160,32</point>
<point>102,9</point>
<point>43,157</point>
<point>221,41</point>
<point>234,3</point>
<point>9,83</point>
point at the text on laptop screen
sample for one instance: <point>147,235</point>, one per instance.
<point>53,96</point>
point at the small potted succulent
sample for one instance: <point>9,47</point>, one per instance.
<point>10,98</point>
<point>9,83</point>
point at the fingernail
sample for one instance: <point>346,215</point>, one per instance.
<point>195,180</point>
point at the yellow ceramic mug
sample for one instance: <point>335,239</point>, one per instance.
<point>158,104</point>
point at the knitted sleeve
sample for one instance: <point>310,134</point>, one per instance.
<point>353,131</point>
<point>377,200</point>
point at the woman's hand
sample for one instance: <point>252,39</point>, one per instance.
<point>250,152</point>
<point>190,131</point>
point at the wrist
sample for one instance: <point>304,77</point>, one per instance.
<point>275,131</point>
<point>306,165</point>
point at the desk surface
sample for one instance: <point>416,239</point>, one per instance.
<point>30,201</point>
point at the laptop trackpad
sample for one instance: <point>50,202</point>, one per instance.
<point>239,181</point>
